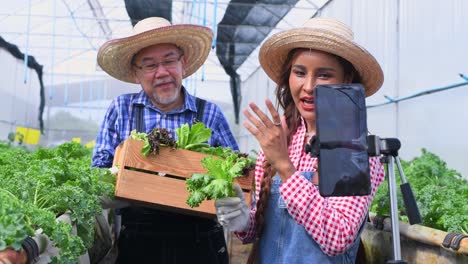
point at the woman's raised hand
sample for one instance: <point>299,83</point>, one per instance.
<point>271,134</point>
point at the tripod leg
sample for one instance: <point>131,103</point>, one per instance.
<point>394,212</point>
<point>410,203</point>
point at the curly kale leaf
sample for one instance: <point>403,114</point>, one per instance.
<point>195,198</point>
<point>14,227</point>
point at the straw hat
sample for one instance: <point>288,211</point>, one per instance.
<point>115,56</point>
<point>324,34</point>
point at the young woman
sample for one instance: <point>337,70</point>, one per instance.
<point>289,222</point>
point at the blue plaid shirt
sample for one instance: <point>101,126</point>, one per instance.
<point>119,121</point>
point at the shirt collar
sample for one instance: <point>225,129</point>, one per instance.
<point>189,101</point>
<point>141,98</point>
<point>301,130</point>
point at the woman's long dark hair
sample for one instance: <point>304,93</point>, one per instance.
<point>293,120</point>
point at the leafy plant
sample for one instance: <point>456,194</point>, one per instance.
<point>157,138</point>
<point>218,181</point>
<point>440,193</point>
<point>13,222</point>
<point>39,185</point>
<point>193,138</point>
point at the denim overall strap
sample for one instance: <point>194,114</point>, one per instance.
<point>200,103</point>
<point>139,118</point>
<point>285,241</point>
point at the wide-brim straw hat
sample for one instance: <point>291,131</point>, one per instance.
<point>324,34</point>
<point>115,56</point>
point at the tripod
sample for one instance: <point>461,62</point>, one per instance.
<point>389,149</point>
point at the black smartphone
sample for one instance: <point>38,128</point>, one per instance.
<point>341,124</point>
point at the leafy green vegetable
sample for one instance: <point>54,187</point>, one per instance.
<point>159,137</point>
<point>193,138</point>
<point>39,185</point>
<point>218,182</point>
<point>13,222</point>
<point>182,133</point>
<point>142,137</point>
<point>440,193</point>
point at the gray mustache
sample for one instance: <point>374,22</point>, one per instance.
<point>158,82</point>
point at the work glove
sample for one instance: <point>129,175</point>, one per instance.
<point>38,249</point>
<point>46,247</point>
<point>233,212</point>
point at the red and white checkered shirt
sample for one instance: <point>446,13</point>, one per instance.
<point>333,222</point>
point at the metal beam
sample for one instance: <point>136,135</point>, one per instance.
<point>100,18</point>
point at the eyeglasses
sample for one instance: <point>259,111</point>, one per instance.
<point>169,63</point>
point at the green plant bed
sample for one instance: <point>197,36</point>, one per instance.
<point>39,185</point>
<point>440,192</point>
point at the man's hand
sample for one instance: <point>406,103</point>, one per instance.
<point>9,256</point>
<point>233,212</point>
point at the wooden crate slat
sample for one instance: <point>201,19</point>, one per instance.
<point>155,189</point>
<point>178,162</point>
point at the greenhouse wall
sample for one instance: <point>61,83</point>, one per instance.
<point>421,45</point>
<point>75,110</point>
<point>19,97</point>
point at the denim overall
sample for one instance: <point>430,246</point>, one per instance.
<point>285,241</point>
<point>155,236</point>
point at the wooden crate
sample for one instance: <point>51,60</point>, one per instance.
<point>138,178</point>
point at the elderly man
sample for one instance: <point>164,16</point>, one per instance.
<point>158,56</point>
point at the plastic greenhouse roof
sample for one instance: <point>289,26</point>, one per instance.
<point>64,35</point>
